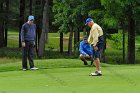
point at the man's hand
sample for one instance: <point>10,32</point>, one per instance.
<point>87,56</point>
<point>23,44</point>
<point>34,43</point>
<point>95,48</point>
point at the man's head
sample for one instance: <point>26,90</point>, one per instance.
<point>89,22</point>
<point>85,38</point>
<point>30,19</point>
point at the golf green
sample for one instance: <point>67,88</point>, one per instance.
<point>69,77</point>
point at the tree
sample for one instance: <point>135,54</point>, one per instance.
<point>45,30</point>
<point>6,21</point>
<point>1,25</point>
<point>56,10</point>
<point>3,22</point>
<point>61,42</point>
<point>131,36</point>
<point>67,17</point>
<point>21,17</point>
<point>72,14</point>
<point>30,6</point>
<point>125,11</point>
<point>38,14</point>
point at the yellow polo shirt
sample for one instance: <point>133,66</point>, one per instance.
<point>95,32</point>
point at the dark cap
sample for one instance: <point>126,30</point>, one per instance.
<point>85,37</point>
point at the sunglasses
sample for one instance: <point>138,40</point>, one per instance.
<point>31,20</point>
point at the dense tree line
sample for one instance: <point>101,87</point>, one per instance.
<point>69,16</point>
<point>111,14</point>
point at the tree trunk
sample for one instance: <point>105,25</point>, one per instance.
<point>1,26</point>
<point>79,35</point>
<point>21,16</point>
<point>47,19</point>
<point>41,47</point>
<point>61,42</point>
<point>30,6</point>
<point>131,38</point>
<point>38,15</point>
<point>42,38</point>
<point>70,41</point>
<point>6,21</point>
<point>84,31</point>
<point>75,40</point>
<point>123,42</point>
<point>1,34</point>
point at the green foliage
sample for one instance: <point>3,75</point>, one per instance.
<point>113,56</point>
<point>137,39</point>
<point>50,53</point>
<point>138,50</point>
<point>113,52</point>
<point>74,13</point>
<point>110,21</point>
<point>97,14</point>
<point>10,52</point>
<point>119,9</point>
<point>116,40</point>
<point>66,14</point>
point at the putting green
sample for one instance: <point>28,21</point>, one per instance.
<point>69,77</point>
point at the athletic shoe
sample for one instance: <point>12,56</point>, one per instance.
<point>24,69</point>
<point>85,63</point>
<point>34,68</point>
<point>97,73</point>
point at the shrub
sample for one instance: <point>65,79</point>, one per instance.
<point>116,40</point>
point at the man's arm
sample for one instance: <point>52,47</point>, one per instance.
<point>90,39</point>
<point>22,34</point>
<point>81,49</point>
<point>35,33</point>
<point>100,31</point>
<point>95,37</point>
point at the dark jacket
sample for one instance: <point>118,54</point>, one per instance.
<point>28,32</point>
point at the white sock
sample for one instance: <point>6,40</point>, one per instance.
<point>99,71</point>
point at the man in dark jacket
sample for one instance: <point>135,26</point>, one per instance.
<point>28,37</point>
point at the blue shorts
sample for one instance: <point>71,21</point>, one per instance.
<point>100,45</point>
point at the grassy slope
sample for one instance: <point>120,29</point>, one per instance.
<point>67,76</point>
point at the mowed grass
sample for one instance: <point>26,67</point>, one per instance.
<point>67,76</point>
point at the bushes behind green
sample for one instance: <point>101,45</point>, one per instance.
<point>111,56</point>
<point>113,52</point>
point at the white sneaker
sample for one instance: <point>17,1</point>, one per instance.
<point>96,73</point>
<point>34,68</point>
<point>24,69</point>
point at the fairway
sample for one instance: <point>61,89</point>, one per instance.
<point>68,76</point>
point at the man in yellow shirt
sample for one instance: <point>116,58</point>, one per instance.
<point>96,41</point>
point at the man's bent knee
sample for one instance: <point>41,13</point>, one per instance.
<point>81,56</point>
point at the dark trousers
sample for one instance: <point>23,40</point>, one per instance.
<point>28,52</point>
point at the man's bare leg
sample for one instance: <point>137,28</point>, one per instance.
<point>97,62</point>
<point>83,59</point>
<point>98,69</point>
